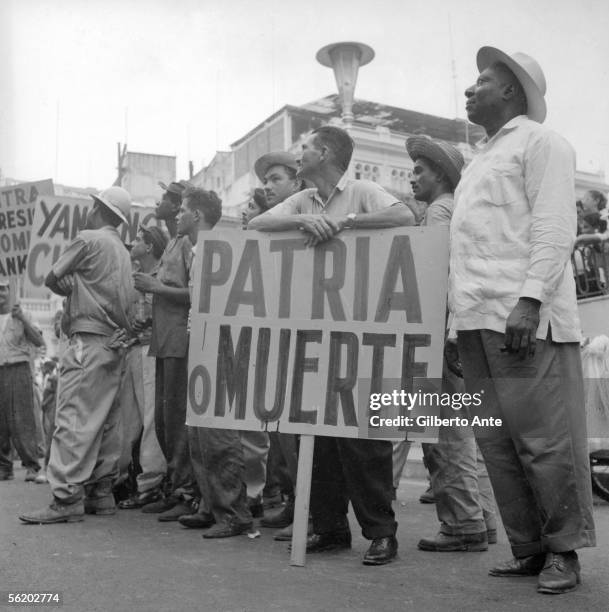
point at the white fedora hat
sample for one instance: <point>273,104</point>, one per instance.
<point>527,71</point>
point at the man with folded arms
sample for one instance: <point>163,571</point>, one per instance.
<point>512,294</point>
<point>95,274</point>
<point>344,470</point>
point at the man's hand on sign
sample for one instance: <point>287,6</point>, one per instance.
<point>521,328</point>
<point>66,284</point>
<point>319,227</point>
<point>145,282</point>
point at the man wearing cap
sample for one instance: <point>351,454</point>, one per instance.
<point>277,173</point>
<point>512,294</point>
<point>136,396</point>
<point>169,345</point>
<point>169,205</point>
<point>464,502</point>
<point>95,273</point>
<point>17,417</point>
<point>344,470</point>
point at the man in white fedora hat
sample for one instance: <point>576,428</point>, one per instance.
<point>512,294</point>
<point>460,486</point>
<point>94,273</point>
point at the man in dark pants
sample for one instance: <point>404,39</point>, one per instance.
<point>360,471</point>
<point>169,344</point>
<point>17,419</point>
<point>512,294</point>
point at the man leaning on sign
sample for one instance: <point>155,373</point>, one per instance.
<point>512,293</point>
<point>344,469</point>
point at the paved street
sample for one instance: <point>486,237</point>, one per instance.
<point>132,562</point>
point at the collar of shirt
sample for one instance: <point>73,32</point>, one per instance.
<point>340,186</point>
<point>512,124</point>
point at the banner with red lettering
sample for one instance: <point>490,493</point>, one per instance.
<point>17,207</point>
<point>56,223</point>
<point>299,340</point>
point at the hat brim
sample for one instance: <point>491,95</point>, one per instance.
<point>420,146</point>
<point>262,164</point>
<point>536,104</point>
<point>111,207</point>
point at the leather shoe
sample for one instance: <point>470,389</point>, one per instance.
<point>285,534</point>
<point>140,500</point>
<point>161,505</point>
<point>103,505</point>
<point>560,573</point>
<point>227,530</point>
<point>519,566</point>
<point>197,520</point>
<point>323,542</point>
<point>280,519</point>
<point>173,514</point>
<point>55,513</point>
<point>381,551</point>
<point>471,542</point>
<point>30,475</point>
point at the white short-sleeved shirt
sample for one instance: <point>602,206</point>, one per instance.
<point>349,196</point>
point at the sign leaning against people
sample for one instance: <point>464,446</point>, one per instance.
<point>295,339</point>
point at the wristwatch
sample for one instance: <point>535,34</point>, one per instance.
<point>351,217</point>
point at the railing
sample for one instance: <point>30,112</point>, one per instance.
<point>591,269</point>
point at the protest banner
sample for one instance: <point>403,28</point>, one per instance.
<point>296,340</point>
<point>56,223</point>
<point>17,206</point>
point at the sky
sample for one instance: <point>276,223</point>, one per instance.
<point>188,78</point>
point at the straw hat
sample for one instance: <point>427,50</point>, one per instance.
<point>527,71</point>
<point>442,154</point>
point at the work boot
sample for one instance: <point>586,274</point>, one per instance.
<point>100,505</point>
<point>55,513</point>
<point>285,534</point>
<point>174,513</point>
<point>227,529</point>
<point>99,498</point>
<point>519,566</point>
<point>280,519</point>
<point>471,542</point>
<point>161,505</point>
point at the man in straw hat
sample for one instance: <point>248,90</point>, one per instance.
<point>512,294</point>
<point>95,273</point>
<point>464,501</point>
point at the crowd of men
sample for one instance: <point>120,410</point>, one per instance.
<point>513,330</point>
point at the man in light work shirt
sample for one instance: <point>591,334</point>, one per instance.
<point>95,273</point>
<point>344,470</point>
<point>512,293</point>
<point>460,485</point>
<point>17,416</point>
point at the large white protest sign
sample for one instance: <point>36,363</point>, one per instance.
<point>296,339</point>
<point>56,223</point>
<point>17,206</point>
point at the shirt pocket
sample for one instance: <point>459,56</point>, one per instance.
<point>503,184</point>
